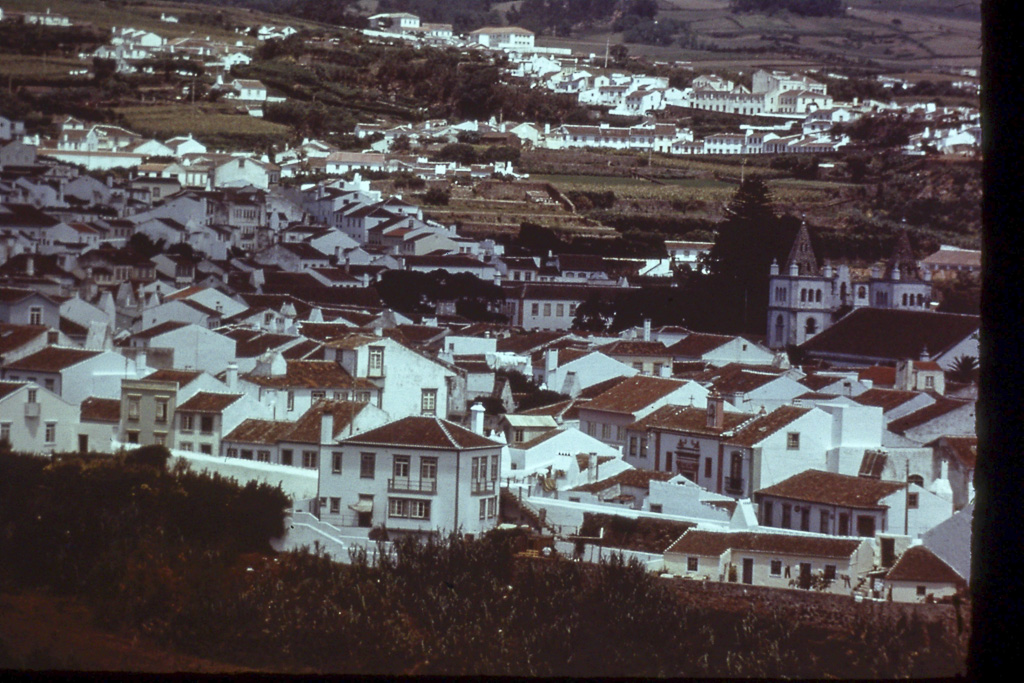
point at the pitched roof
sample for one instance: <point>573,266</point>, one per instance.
<point>95,409</point>
<point>52,359</point>
<point>208,402</point>
<point>964,448</point>
<point>15,336</point>
<point>918,563</point>
<point>892,334</point>
<point>306,429</point>
<point>312,374</point>
<point>259,431</point>
<point>714,543</point>
<point>423,432</point>
<point>10,387</point>
<point>925,415</point>
<point>162,328</point>
<point>764,426</point>
<point>630,347</point>
<point>736,378</point>
<point>633,394</point>
<point>830,488</point>
<point>636,478</point>
<point>695,345</point>
<point>528,341</point>
<point>687,419</point>
<point>182,377</point>
<point>886,399</point>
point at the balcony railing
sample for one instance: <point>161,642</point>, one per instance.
<point>734,484</point>
<point>409,485</point>
<point>483,486</point>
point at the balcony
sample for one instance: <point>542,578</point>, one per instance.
<point>32,409</point>
<point>483,486</point>
<point>408,485</point>
<point>734,484</point>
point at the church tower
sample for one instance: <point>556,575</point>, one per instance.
<point>902,284</point>
<point>803,297</point>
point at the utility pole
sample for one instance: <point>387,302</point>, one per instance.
<point>607,47</point>
<point>906,500</point>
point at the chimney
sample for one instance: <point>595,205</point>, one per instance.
<point>716,410</point>
<point>327,427</point>
<point>647,329</point>
<point>592,468</point>
<point>478,418</point>
<point>140,361</point>
<point>231,376</point>
<point>30,266</point>
<point>550,361</point>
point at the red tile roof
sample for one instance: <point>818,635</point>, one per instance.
<point>829,488</point>
<point>634,394</point>
<point>714,543</point>
<point>423,432</point>
<point>100,410</point>
<point>182,377</point>
<point>162,328</point>
<point>695,345</point>
<point>736,378</point>
<point>918,563</point>
<point>687,419</point>
<point>15,336</point>
<point>207,402</point>
<point>260,431</point>
<point>892,334</point>
<point>886,399</point>
<point>307,428</point>
<point>766,425</point>
<point>925,415</point>
<point>636,478</point>
<point>629,347</point>
<point>52,359</point>
<point>963,448</point>
<point>311,374</point>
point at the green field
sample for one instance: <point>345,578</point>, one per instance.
<point>165,121</point>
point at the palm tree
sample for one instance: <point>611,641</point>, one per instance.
<point>964,369</point>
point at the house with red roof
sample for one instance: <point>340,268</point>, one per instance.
<point>415,475</point>
<point>608,415</point>
<point>571,370</point>
<point>200,422</point>
<point>842,505</point>
<point>289,388</point>
<point>920,575</point>
<point>719,350</point>
<point>75,374</point>
<point>775,560</point>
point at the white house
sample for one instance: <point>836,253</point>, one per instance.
<point>919,575</point>
<point>418,474</point>
<point>34,420</point>
<point>75,374</point>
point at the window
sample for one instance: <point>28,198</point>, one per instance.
<point>483,508</point>
<point>133,407</point>
<point>367,465</point>
<point>775,568</point>
<point>49,383</point>
<point>291,400</point>
<point>922,590</point>
<point>428,402</point>
<point>632,446</point>
<point>805,518</point>
<point>787,519</point>
<point>412,509</point>
<point>912,501</point>
<point>793,441</point>
<point>656,507</point>
<point>186,422</point>
<point>766,513</point>
<point>692,563</point>
<point>915,479</point>
<point>823,522</point>
<point>206,424</point>
<point>161,411</point>
<point>428,469</point>
<point>707,468</point>
<point>560,310</point>
<point>160,438</point>
<point>535,309</point>
<point>336,462</point>
<point>51,432</point>
<point>133,437</point>
<point>35,315</point>
<point>929,382</point>
<point>317,395</point>
<point>844,524</point>
<point>494,468</point>
<point>830,572</point>
<point>492,508</point>
<point>400,467</point>
<point>5,432</point>
<point>309,459</point>
<point>246,454</point>
<point>185,445</point>
<point>547,310</point>
<point>286,456</point>
<point>376,362</point>
<point>606,431</point>
<point>263,456</point>
<point>335,505</point>
<point>232,452</point>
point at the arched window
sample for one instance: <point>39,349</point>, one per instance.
<point>842,292</point>
<point>915,479</point>
<point>811,326</point>
<point>779,327</point>
<point>817,296</point>
<point>803,295</point>
<point>862,292</point>
<point>920,299</point>
<point>904,298</point>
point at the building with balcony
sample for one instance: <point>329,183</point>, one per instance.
<point>415,475</point>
